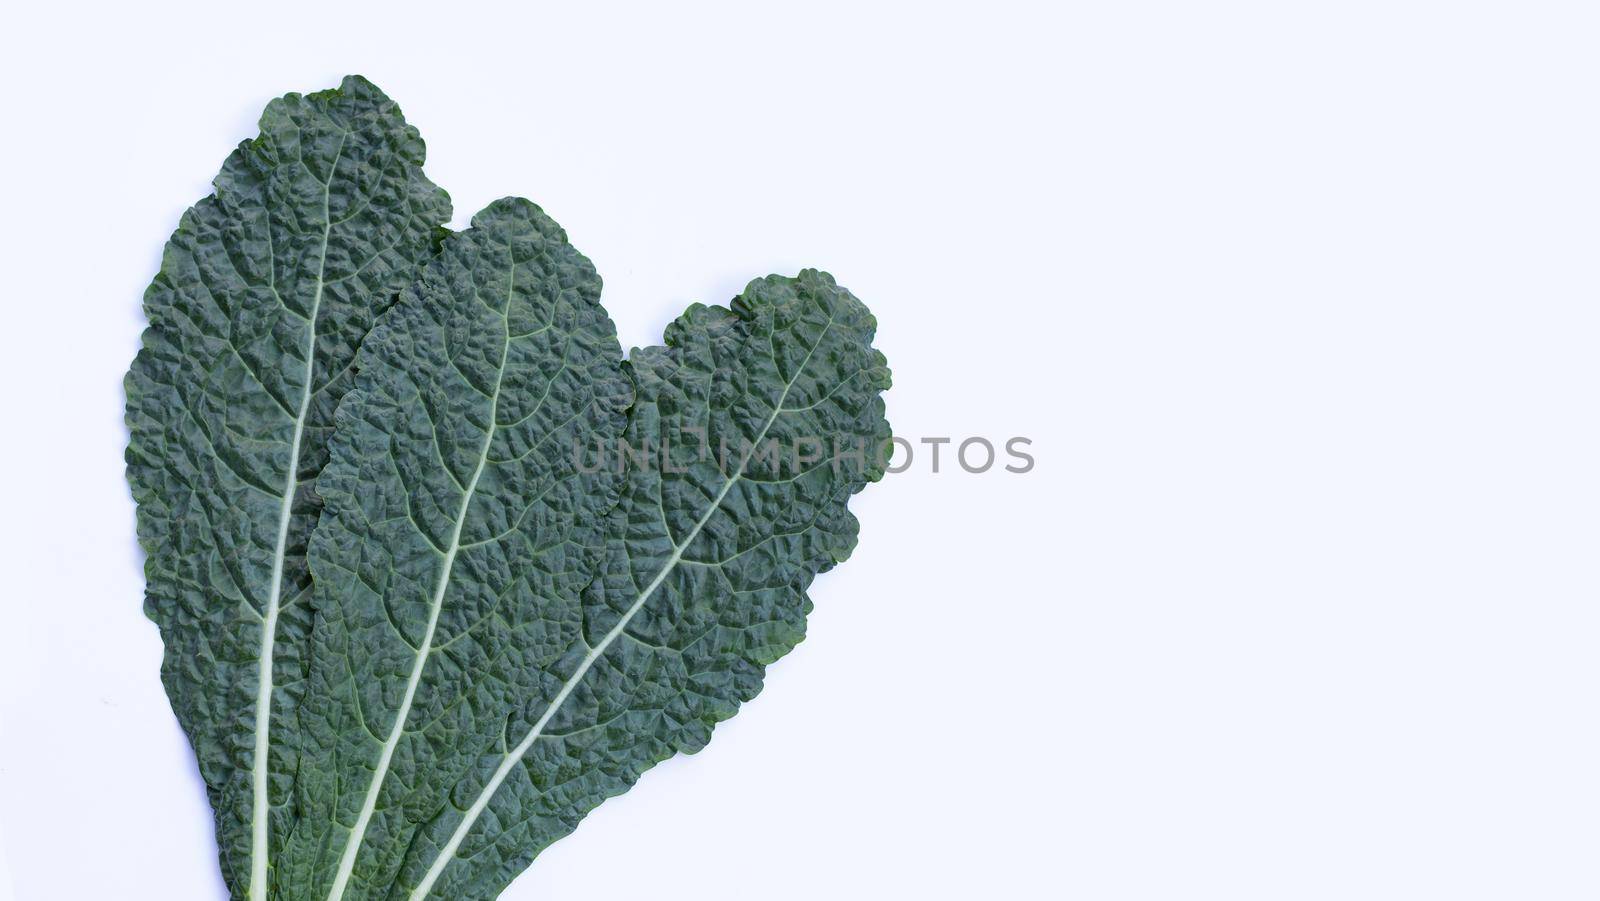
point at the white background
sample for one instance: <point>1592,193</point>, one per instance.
<point>1296,301</point>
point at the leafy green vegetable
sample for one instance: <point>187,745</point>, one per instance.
<point>708,560</point>
<point>476,690</point>
<point>708,557</point>
<point>457,535</point>
<point>263,294</point>
<point>535,571</point>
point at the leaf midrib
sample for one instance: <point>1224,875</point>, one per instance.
<point>259,852</point>
<point>424,649</point>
